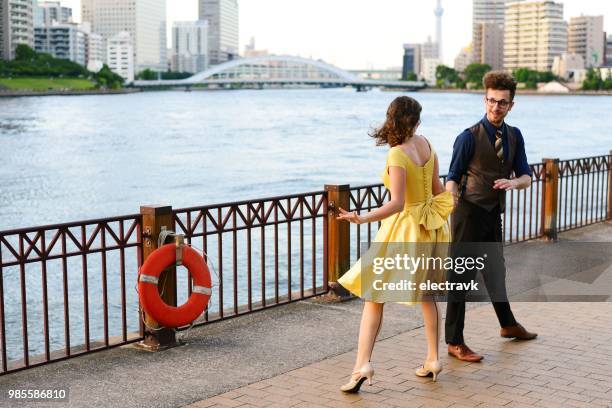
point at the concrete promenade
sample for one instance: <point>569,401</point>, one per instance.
<point>299,354</point>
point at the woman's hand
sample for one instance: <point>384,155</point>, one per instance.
<point>350,217</point>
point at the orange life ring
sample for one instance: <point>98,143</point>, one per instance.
<point>148,278</point>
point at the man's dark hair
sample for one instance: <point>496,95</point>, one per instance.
<point>500,81</point>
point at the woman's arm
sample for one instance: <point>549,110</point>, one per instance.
<point>395,205</point>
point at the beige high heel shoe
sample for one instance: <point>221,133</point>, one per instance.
<point>365,372</point>
<point>429,368</point>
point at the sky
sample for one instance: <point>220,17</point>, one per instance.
<point>355,34</point>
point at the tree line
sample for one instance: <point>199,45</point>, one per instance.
<point>29,63</point>
<point>471,77</point>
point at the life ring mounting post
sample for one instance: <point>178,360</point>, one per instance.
<point>157,222</point>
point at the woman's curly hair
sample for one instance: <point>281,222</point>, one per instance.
<point>403,116</point>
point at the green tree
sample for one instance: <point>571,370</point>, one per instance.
<point>461,84</point>
<point>411,77</point>
<point>593,81</point>
<point>527,77</point>
<point>531,78</point>
<point>175,75</point>
<point>147,75</point>
<point>105,78</point>
<point>474,73</point>
<point>24,53</point>
<point>28,62</point>
<point>546,76</point>
<point>446,76</point>
<point>522,74</point>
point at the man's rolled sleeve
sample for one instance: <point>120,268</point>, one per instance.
<point>520,165</point>
<point>463,150</point>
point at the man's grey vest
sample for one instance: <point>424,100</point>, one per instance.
<point>485,167</point>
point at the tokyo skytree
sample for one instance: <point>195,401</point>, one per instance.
<point>438,12</point>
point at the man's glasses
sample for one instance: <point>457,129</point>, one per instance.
<point>502,103</point>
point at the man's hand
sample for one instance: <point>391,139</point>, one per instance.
<point>519,183</point>
<point>505,184</point>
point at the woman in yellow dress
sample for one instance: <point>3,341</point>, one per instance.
<point>417,213</point>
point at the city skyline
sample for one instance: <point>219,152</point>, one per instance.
<point>342,37</point>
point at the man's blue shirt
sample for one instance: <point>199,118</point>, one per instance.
<point>464,147</point>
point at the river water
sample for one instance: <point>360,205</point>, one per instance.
<point>81,157</point>
<point>73,158</point>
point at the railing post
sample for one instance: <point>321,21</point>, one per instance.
<point>550,190</point>
<point>338,238</point>
<point>154,218</point>
<point>609,214</point>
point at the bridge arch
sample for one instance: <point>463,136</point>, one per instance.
<point>273,67</point>
<point>278,70</point>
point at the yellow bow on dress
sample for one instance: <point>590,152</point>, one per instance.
<point>435,211</point>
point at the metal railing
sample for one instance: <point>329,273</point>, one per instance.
<point>68,289</point>
<point>584,192</point>
<point>522,218</point>
<point>57,277</point>
<point>364,199</point>
<point>266,252</point>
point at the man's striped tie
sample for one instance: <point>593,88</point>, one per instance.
<point>499,146</point>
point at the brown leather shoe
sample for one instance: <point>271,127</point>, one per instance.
<point>517,332</point>
<point>463,352</point>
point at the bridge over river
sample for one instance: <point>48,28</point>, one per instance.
<point>279,70</point>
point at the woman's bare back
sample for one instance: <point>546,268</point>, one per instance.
<point>417,149</point>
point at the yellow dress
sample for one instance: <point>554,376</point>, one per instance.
<point>420,230</point>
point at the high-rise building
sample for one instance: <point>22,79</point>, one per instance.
<point>61,40</point>
<point>412,60</point>
<point>489,44</point>
<point>608,51</point>
<point>438,12</point>
<point>429,49</point>
<point>464,58</point>
<point>415,56</point>
<point>3,26</point>
<point>95,48</point>
<point>120,55</point>
<point>189,46</point>
<point>534,34</point>
<point>488,18</point>
<point>47,12</point>
<point>489,11</point>
<point>586,38</point>
<point>144,20</point>
<point>16,26</point>
<point>429,68</point>
<point>251,51</point>
<point>55,34</point>
<point>222,17</point>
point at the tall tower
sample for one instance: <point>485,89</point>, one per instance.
<point>438,12</point>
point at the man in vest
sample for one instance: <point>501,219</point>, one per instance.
<point>484,158</point>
